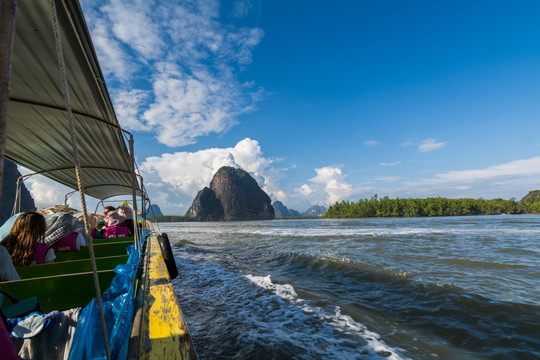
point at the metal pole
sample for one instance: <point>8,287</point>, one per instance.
<point>134,189</point>
<point>143,202</point>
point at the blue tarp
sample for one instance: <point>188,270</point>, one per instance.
<point>6,227</point>
<point>118,309</point>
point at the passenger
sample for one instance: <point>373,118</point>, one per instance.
<point>112,217</point>
<point>93,223</point>
<point>64,232</point>
<point>114,224</point>
<point>7,270</point>
<point>127,212</point>
<point>24,242</point>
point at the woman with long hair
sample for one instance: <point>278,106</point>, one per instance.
<point>23,242</point>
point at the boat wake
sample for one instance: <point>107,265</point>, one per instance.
<point>260,319</point>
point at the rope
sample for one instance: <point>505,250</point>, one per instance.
<point>78,170</point>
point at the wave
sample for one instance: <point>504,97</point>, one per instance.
<point>258,318</point>
<point>518,251</point>
<point>256,292</point>
<point>375,346</point>
<point>447,309</point>
<point>481,264</point>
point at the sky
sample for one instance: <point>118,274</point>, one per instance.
<point>324,101</point>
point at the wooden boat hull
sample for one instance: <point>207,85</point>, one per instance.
<point>160,330</point>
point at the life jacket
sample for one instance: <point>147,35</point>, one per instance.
<point>116,232</point>
<point>9,351</point>
<point>95,234</point>
<point>67,243</point>
<point>39,253</point>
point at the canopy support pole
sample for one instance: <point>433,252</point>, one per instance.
<point>143,205</point>
<point>134,188</point>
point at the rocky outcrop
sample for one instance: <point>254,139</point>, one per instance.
<point>282,211</point>
<point>532,197</point>
<point>233,195</point>
<point>9,190</point>
<point>206,207</point>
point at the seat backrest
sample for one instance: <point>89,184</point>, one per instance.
<point>116,231</point>
<point>67,243</point>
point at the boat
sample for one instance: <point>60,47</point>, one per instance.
<point>57,119</point>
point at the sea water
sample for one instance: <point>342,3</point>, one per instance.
<point>404,288</point>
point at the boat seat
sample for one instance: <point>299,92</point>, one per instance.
<point>100,250</point>
<point>17,308</point>
<point>60,292</point>
<point>70,267</point>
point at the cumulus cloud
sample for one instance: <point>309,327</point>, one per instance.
<point>46,192</point>
<point>332,182</point>
<point>371,143</point>
<point>176,66</point>
<point>430,145</point>
<point>187,107</point>
<point>185,173</point>
<point>305,190</point>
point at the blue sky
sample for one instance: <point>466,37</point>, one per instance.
<point>325,100</point>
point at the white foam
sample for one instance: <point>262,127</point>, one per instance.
<point>337,320</point>
<point>359,230</point>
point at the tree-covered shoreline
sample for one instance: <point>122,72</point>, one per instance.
<point>435,206</point>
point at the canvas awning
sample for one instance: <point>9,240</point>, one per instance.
<point>38,132</point>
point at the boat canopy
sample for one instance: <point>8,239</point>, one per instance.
<point>38,130</point>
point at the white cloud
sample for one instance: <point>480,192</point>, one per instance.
<point>513,169</point>
<point>187,107</point>
<point>389,179</point>
<point>132,24</point>
<point>334,183</point>
<point>390,164</point>
<point>430,145</point>
<point>512,179</point>
<point>176,65</point>
<point>114,60</point>
<point>185,173</point>
<point>46,192</point>
<point>127,105</point>
<point>371,143</point>
<point>305,190</point>
<point>407,143</point>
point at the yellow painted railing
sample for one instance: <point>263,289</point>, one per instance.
<point>163,333</point>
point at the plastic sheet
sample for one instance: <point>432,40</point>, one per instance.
<point>118,309</point>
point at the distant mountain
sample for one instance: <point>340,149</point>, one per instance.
<point>315,210</point>
<point>9,190</point>
<point>282,211</point>
<point>233,195</point>
<point>153,210</point>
